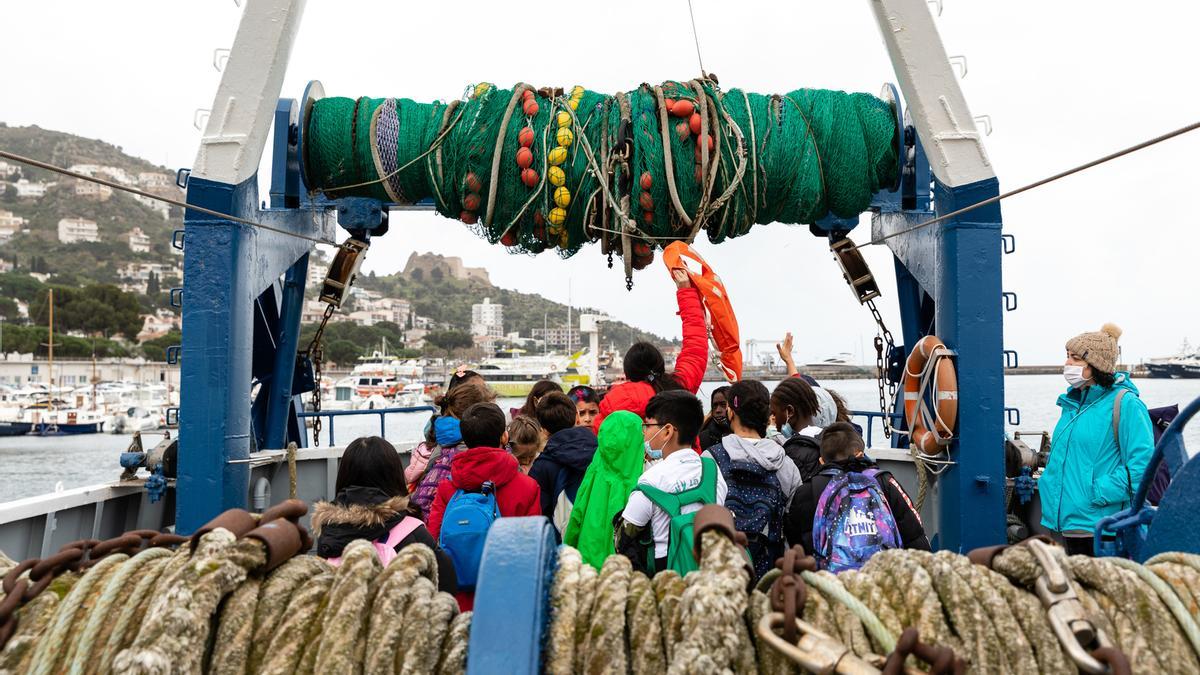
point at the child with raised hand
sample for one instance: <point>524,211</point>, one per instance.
<point>645,369</point>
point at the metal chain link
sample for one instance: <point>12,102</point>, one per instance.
<point>883,339</point>
<point>316,355</point>
<point>73,557</point>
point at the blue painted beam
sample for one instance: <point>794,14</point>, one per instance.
<point>512,599</point>
<point>969,319</point>
<point>279,397</point>
<point>226,267</point>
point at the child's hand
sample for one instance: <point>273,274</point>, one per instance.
<point>682,280</point>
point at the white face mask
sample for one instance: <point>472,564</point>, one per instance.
<point>1074,376</point>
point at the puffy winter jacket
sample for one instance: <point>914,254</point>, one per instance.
<point>368,513</point>
<point>516,493</point>
<point>805,452</point>
<point>689,367</point>
<point>1088,476</point>
<point>561,465</point>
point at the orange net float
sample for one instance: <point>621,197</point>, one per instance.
<point>722,322</point>
<point>929,363</point>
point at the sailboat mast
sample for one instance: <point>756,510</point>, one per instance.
<point>50,367</point>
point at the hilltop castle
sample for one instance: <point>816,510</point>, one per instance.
<point>450,266</point>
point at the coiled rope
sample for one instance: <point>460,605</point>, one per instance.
<point>547,169</point>
<point>217,608</point>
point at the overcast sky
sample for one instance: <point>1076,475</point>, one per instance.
<point>1063,82</point>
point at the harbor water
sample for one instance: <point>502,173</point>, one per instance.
<point>31,465</point>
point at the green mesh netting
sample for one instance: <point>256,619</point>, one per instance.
<point>554,169</point>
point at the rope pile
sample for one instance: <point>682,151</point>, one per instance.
<point>236,600</point>
<point>538,169</point>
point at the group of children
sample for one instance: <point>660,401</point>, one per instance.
<point>626,472</point>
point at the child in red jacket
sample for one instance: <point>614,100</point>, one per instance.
<point>483,431</point>
<point>645,369</point>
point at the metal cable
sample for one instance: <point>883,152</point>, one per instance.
<point>1038,183</point>
<point>174,202</point>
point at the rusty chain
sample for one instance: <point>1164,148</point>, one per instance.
<point>76,556</point>
<point>316,356</point>
<point>883,339</point>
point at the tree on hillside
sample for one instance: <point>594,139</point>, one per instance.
<point>450,340</point>
<point>152,285</point>
<point>342,352</point>
<point>8,308</point>
<point>98,308</point>
<point>10,193</point>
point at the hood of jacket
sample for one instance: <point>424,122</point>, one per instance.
<point>472,467</point>
<point>826,408</point>
<point>447,431</point>
<point>572,448</point>
<point>763,451</point>
<point>355,513</point>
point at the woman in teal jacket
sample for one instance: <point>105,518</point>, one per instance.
<point>1092,471</point>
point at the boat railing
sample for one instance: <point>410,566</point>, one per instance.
<point>381,412</point>
<point>873,416</point>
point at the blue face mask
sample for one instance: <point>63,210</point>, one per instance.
<point>651,452</point>
<point>787,430</point>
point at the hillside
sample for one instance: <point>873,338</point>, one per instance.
<point>34,246</point>
<point>447,300</point>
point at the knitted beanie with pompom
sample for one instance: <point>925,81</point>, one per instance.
<point>1099,349</point>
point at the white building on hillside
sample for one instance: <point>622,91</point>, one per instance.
<point>7,170</point>
<point>119,175</point>
<point>138,241</point>
<point>27,190</point>
<point>96,191</point>
<point>75,230</point>
<point>487,319</point>
<point>10,224</point>
<point>153,179</point>
<point>160,207</point>
<point>86,169</point>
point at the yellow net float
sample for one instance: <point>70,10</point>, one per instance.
<point>557,176</point>
<point>558,216</point>
<point>563,118</point>
<point>557,156</point>
<point>562,197</point>
<point>565,137</point>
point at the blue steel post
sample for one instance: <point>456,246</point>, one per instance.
<point>969,319</point>
<point>214,413</point>
<point>279,400</point>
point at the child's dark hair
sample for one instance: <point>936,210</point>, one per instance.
<point>798,394</point>
<point>581,393</point>
<point>371,461</point>
<point>482,425</point>
<point>555,412</point>
<point>843,410</point>
<point>644,363</point>
<point>459,377</point>
<point>539,389</point>
<point>750,401</point>
<point>679,408</point>
<point>839,442</point>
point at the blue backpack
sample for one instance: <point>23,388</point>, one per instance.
<point>468,517</point>
<point>756,499</point>
<point>853,520</point>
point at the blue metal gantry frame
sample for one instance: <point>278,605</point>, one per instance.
<point>245,285</point>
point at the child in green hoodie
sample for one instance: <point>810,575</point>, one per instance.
<point>607,484</point>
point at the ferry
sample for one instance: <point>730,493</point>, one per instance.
<point>1183,366</point>
<point>512,374</point>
